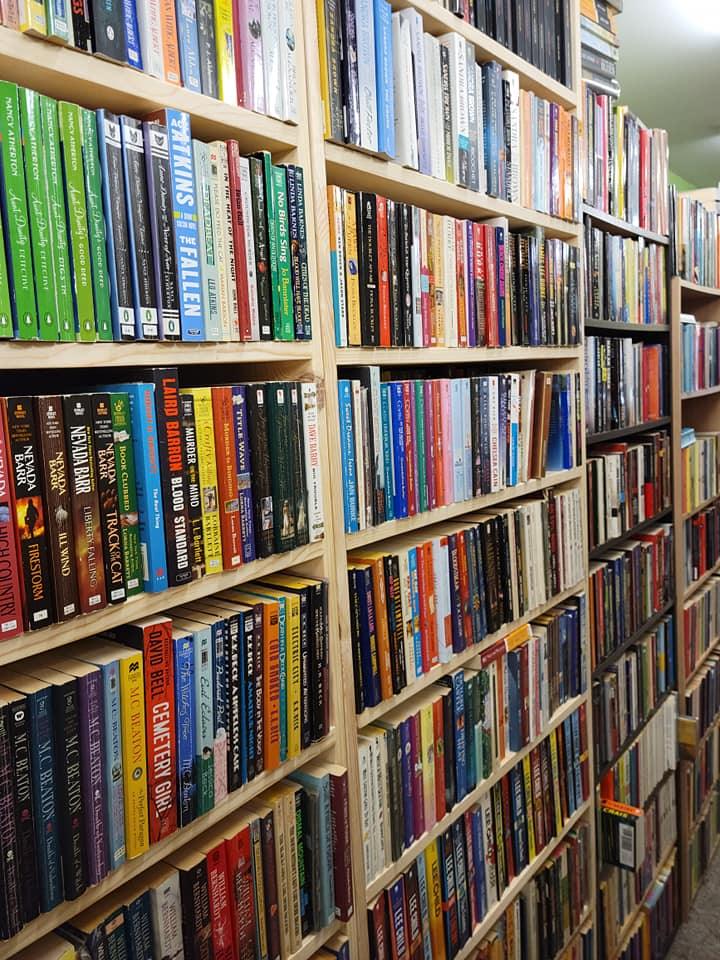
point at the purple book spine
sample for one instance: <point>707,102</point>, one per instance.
<point>470,275</point>
<point>93,781</point>
<point>242,448</point>
<point>416,764</point>
<point>415,452</point>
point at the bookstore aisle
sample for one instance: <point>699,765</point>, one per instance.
<point>359,487</point>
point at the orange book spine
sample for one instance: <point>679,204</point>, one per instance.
<point>227,472</point>
<point>430,594</point>
<point>160,728</point>
<point>462,267</point>
<point>271,687</point>
<point>171,50</point>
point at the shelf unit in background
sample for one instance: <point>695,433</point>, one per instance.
<point>647,334</point>
<point>66,73</point>
<point>700,410</point>
<point>340,165</point>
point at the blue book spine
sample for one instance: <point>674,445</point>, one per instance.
<point>347,445</point>
<point>458,689</point>
<point>415,604</point>
<point>398,916</point>
<point>458,444</point>
<point>186,227</point>
<point>479,858</point>
<point>569,768</point>
<point>340,336</point>
<point>397,408</point>
<point>138,927</point>
<point>187,31</point>
<point>514,440</point>
<point>670,651</point>
<point>387,442</point>
<point>575,724</point>
<point>565,425</point>
<point>500,260</point>
<point>517,806</point>
<point>147,480</point>
<point>133,53</point>
<point>424,906</point>
<point>185,725</point>
<point>384,78</point>
<point>469,739</point>
<point>113,764</point>
<point>407,774</point>
<point>513,699</point>
<point>282,663</point>
<point>368,639</point>
<point>242,450</point>
<point>46,813</point>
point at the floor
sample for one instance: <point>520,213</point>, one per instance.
<point>699,938</point>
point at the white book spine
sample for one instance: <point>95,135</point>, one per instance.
<point>220,226</point>
<point>166,913</point>
<point>404,94</point>
<point>150,29</point>
<point>467,438</point>
<point>366,808</point>
<point>249,233</point>
<point>459,105</point>
<point>288,60</point>
<point>417,44</point>
<point>494,436</point>
<point>472,112</point>
<point>229,241</point>
<point>313,469</point>
<point>339,221</point>
<point>490,859</point>
<point>482,175</point>
<point>435,110</point>
<point>365,23</point>
<point>513,102</point>
<point>206,240</point>
<point>450,291</point>
<point>272,56</point>
<point>442,596</point>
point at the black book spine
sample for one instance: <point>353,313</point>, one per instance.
<point>195,898</point>
<point>320,678</point>
<point>393,264</point>
<point>157,164</point>
<point>283,494</point>
<point>449,750</point>
<point>108,29</point>
<point>11,912</point>
<point>405,266</point>
<point>295,270</point>
<point>247,652</point>
<point>178,538</point>
<point>334,55</point>
<point>394,764</point>
<point>367,249</point>
<point>302,245</point>
<point>235,744</point>
<point>24,817</point>
<point>107,484</point>
<point>354,589</point>
<point>82,27</point>
<point>69,785</point>
<point>566,34</point>
<point>534,34</point>
<point>305,668</point>
<point>350,80</point>
<point>206,43</point>
<point>260,458</point>
<point>297,444</point>
<point>189,436</point>
<point>456,611</point>
<point>262,255</point>
<point>500,33</point>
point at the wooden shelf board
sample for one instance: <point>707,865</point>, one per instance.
<point>706,734</point>
<point>694,394</point>
<point>315,941</point>
<point>598,551</point>
<point>437,21</point>
<point>31,355</point>
<point>47,922</point>
<point>628,329</point>
<point>392,528</point>
<point>148,604</point>
<point>713,648</point>
<point>607,436</point>
<point>69,74</point>
<point>421,356</point>
<point>699,289</point>
<point>700,506</point>
<point>421,683</point>
<point>355,170</point>
<point>631,738</point>
<point>387,876</point>
<point>640,632</point>
<point>693,587</point>
<point>615,225</point>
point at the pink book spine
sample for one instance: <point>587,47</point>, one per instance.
<point>10,14</point>
<point>251,54</point>
<point>447,444</point>
<point>430,445</point>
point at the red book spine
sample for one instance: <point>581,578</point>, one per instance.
<point>238,228</point>
<point>378,926</point>
<point>220,913</point>
<point>430,594</point>
<point>491,288</point>
<point>410,451</point>
<point>241,74</point>
<point>440,806</point>
<point>383,271</point>
<point>479,280</point>
<point>11,615</point>
<point>238,855</point>
<point>460,259</point>
<point>227,472</point>
<point>160,727</point>
<point>340,832</point>
<point>424,608</point>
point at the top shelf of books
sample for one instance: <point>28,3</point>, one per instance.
<point>67,74</point>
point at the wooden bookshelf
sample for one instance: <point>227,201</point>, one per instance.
<point>610,224</point>
<point>425,356</point>
<point>615,329</point>
<point>622,433</point>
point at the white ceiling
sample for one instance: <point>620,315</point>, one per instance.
<point>669,72</point>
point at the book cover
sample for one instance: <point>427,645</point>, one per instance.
<point>227,473</point>
<point>207,235</point>
<point>192,466</point>
<point>207,471</point>
<point>186,14</point>
<point>206,44</point>
<point>107,24</point>
<point>108,497</point>
<point>96,226</point>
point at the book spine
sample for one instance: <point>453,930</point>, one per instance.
<point>24,817</point>
<point>244,485</point>
<point>313,473</point>
<point>219,238</point>
<point>108,496</point>
<point>132,700</point>
<point>262,492</point>
<point>228,232</point>
<point>284,327</point>
<point>11,607</point>
<point>288,60</point>
<point>207,238</point>
<point>225,51</point>
<point>11,912</point>
<point>133,52</point>
<point>70,794</point>
<point>167,918</point>
<point>279,420</point>
<point>294,230</point>
<point>127,493</point>
<point>170,47</point>
<point>384,77</point>
<point>212,537</point>
<point>244,263</point>
<point>340,834</point>
<point>107,24</point>
<point>227,471</point>
<point>92,751</point>
<point>269,11</point>
<point>204,713</point>
<point>112,761</point>
<point>151,41</point>
<point>192,466</point>
<point>96,226</point>
<point>57,24</point>
<point>186,14</point>
<point>184,666</point>
<point>206,44</point>
<point>81,26</point>
<point>262,248</point>
<point>47,836</point>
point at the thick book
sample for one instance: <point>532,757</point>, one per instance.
<point>207,471</point>
<point>108,497</point>
<point>192,467</point>
<point>127,493</point>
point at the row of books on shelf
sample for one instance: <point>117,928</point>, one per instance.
<point>626,383</point>
<point>389,88</point>
<point>701,777</point>
<point>627,588</point>
<point>627,691</point>
<point>702,694</point>
<point>470,866</point>
<point>652,933</point>
<point>520,931</point>
<point>404,276</point>
<point>411,446</point>
<point>423,598</point>
<point>695,240</point>
<point>703,843</point>
<point>701,623</point>
<point>625,278</point>
<point>628,484</point>
<point>625,164</point>
<point>138,732</point>
<point>599,46</point>
<point>138,232</point>
<point>700,354</point>
<point>242,54</point>
<point>638,771</point>
<point>541,36</point>
<point>149,485</point>
<point>702,543</point>
<point>700,458</point>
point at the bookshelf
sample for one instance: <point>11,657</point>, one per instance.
<point>698,409</point>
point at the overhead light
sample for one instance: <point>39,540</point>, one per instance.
<point>705,14</point>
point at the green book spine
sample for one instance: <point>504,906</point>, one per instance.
<point>39,210</point>
<point>57,22</point>
<point>283,494</point>
<point>71,140</point>
<point>127,493</point>
<point>15,214</point>
<point>420,445</point>
<point>58,222</point>
<point>6,324</point>
<point>96,226</point>
<point>285,322</point>
<point>272,237</point>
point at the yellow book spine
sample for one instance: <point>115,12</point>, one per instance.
<point>434,890</point>
<point>518,637</point>
<point>292,842</point>
<point>352,278</point>
<point>132,718</point>
<point>324,76</point>
<point>427,741</point>
<point>293,668</point>
<point>208,478</point>
<point>556,781</point>
<point>225,50</point>
<point>439,275</point>
<point>527,778</point>
<point>31,16</point>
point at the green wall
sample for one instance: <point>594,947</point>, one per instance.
<point>681,183</point>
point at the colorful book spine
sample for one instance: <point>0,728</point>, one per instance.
<point>133,51</point>
<point>132,700</point>
<point>113,764</point>
<point>242,452</point>
<point>184,661</point>
<point>96,226</point>
<point>207,226</point>
<point>127,494</point>
<point>212,537</point>
<point>204,722</point>
<point>186,14</point>
<point>225,51</point>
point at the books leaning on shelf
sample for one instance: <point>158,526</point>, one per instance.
<point>701,777</point>
<point>421,599</point>
<point>133,735</point>
<point>701,623</point>
<point>702,695</point>
<point>641,573</point>
<point>242,54</point>
<point>702,543</point>
<point>167,238</point>
<point>696,246</point>
<point>625,164</point>
<point>389,88</point>
<point>625,278</point>
<point>700,354</point>
<point>467,869</point>
<point>700,459</point>
<point>628,483</point>
<point>411,446</point>
<point>403,276</point>
<point>626,383</point>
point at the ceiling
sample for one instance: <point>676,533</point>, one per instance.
<point>669,72</point>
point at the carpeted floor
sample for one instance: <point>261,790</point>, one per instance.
<point>699,938</point>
